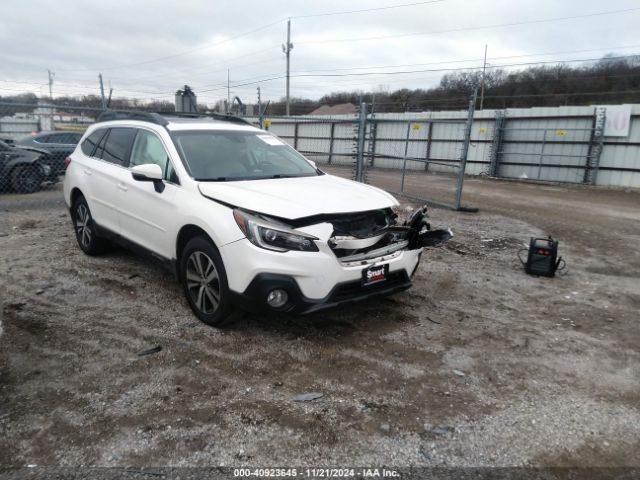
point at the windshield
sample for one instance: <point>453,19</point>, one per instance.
<point>223,155</point>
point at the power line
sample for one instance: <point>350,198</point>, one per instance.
<point>186,52</point>
<point>258,29</point>
<point>465,99</point>
<point>67,86</point>
<point>546,80</point>
<point>466,29</point>
<point>347,12</point>
<point>272,77</point>
<point>361,74</point>
<point>407,72</point>
<point>232,59</point>
<point>445,62</point>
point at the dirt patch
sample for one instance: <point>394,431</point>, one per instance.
<point>477,364</point>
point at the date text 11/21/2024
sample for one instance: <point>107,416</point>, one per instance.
<point>315,473</point>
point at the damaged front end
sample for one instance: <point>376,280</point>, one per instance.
<point>376,254</point>
<point>354,238</point>
<point>377,236</point>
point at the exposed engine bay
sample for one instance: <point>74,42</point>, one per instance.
<point>362,236</point>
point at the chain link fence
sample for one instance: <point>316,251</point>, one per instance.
<point>325,140</point>
<point>421,158</point>
<point>35,140</point>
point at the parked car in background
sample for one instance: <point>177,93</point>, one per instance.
<point>56,145</point>
<point>21,170</point>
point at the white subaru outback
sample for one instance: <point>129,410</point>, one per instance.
<point>239,216</point>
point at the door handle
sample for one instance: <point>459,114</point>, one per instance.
<point>122,187</point>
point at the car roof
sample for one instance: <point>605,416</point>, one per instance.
<point>181,125</point>
<point>176,121</point>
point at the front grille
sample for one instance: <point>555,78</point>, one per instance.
<point>348,290</point>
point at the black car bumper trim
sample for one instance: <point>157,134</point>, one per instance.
<point>255,295</point>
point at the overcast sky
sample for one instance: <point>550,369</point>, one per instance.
<point>148,49</point>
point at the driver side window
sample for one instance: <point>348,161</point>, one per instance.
<point>147,148</point>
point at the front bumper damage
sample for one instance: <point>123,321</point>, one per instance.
<point>348,244</point>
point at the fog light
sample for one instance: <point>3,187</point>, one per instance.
<point>277,298</point>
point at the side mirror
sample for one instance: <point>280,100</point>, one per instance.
<point>149,172</point>
<point>313,164</point>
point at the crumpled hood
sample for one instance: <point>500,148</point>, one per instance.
<point>294,198</point>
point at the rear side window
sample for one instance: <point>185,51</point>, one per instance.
<point>117,146</point>
<point>44,138</point>
<point>62,138</point>
<point>91,142</point>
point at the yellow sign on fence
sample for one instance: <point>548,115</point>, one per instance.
<point>561,133</point>
<point>416,126</point>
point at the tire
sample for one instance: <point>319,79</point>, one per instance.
<point>204,280</point>
<point>27,178</point>
<point>85,229</point>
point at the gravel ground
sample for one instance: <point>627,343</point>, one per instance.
<point>477,365</point>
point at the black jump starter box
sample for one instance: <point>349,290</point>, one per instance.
<point>543,257</point>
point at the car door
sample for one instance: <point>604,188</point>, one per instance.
<point>106,173</point>
<point>145,212</point>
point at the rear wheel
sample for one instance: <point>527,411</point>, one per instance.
<point>85,229</point>
<point>204,280</point>
<point>27,178</point>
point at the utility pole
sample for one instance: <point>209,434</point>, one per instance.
<point>287,50</point>
<point>51,75</point>
<point>259,109</point>
<point>104,104</point>
<point>484,71</point>
<point>228,93</point>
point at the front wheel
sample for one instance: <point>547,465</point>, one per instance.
<point>204,280</point>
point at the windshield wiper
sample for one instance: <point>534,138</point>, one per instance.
<point>217,179</point>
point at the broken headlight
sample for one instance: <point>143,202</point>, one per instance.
<point>272,235</point>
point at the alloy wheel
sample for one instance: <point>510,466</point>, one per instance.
<point>203,283</point>
<point>83,230</point>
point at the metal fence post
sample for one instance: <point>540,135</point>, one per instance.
<point>362,125</point>
<point>428,154</point>
<point>373,136</point>
<point>595,146</point>
<point>465,150</point>
<point>404,160</point>
<point>544,142</point>
<point>496,144</point>
<point>332,134</point>
<point>295,135</point>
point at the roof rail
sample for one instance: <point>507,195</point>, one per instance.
<point>215,116</point>
<point>160,118</point>
<point>229,118</point>
<point>124,115</point>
